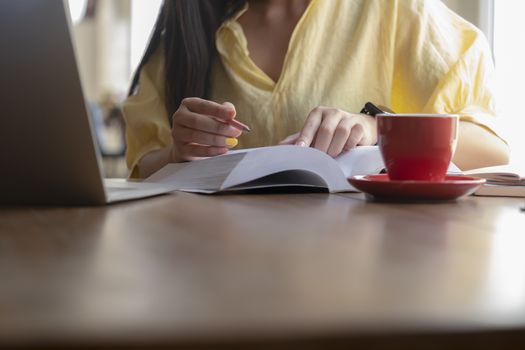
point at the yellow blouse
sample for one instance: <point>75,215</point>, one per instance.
<point>410,55</point>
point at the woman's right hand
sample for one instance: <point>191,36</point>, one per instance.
<point>200,129</point>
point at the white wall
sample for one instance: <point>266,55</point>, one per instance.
<point>102,45</point>
<point>86,46</point>
<point>477,12</point>
<point>113,60</point>
<point>143,16</point>
<point>111,45</point>
<point>509,49</point>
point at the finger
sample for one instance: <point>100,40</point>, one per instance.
<point>204,123</point>
<point>310,127</point>
<point>326,130</point>
<point>194,150</point>
<point>341,134</point>
<point>356,135</point>
<point>370,137</point>
<point>224,111</point>
<point>290,140</point>
<point>187,135</point>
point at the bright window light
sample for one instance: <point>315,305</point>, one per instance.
<point>77,9</point>
<point>143,16</point>
<point>509,51</point>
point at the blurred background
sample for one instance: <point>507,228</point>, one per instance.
<point>111,36</point>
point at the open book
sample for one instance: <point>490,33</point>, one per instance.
<point>504,181</point>
<point>275,166</point>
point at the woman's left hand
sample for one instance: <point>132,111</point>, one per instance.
<point>334,131</point>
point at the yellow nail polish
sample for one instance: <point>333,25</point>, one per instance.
<point>231,142</point>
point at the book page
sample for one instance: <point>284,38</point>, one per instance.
<point>367,160</point>
<point>205,175</point>
<point>250,168</point>
<point>362,160</point>
<point>504,174</point>
<point>275,166</point>
<point>261,162</point>
<point>288,178</point>
<point>500,191</point>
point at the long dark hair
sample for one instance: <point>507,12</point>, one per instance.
<point>187,30</point>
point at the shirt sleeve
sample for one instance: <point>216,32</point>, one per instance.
<point>443,64</point>
<point>147,123</point>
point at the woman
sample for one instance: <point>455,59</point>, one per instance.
<point>305,68</point>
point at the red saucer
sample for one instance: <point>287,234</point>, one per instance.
<point>381,187</point>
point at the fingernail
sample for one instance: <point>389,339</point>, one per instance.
<point>230,113</point>
<point>301,144</point>
<point>231,142</point>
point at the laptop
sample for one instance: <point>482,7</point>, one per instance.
<point>48,153</point>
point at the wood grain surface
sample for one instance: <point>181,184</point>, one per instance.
<point>260,271</point>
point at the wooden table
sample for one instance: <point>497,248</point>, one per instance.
<point>279,271</point>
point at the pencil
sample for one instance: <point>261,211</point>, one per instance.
<point>237,124</point>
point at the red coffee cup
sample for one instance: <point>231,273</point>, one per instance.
<point>417,146</point>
